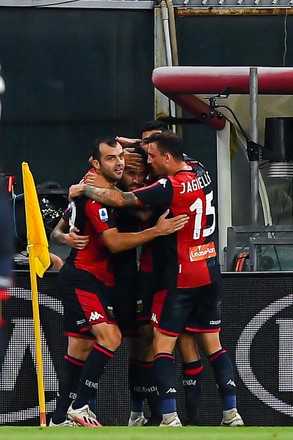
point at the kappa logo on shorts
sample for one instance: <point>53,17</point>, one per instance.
<point>171,390</point>
<point>95,316</point>
<point>103,213</point>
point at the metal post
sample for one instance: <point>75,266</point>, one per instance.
<point>254,178</point>
<point>165,20</point>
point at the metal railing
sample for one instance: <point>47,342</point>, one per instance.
<point>248,238</point>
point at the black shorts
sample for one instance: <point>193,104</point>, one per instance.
<point>124,303</point>
<point>147,286</point>
<point>196,309</point>
<point>86,301</point>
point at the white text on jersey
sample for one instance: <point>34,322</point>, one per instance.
<point>195,184</point>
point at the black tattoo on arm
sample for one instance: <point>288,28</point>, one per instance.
<point>58,234</point>
<point>89,191</point>
<point>111,197</point>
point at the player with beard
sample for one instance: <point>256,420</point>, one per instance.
<point>84,283</point>
<point>141,373</point>
<point>189,298</point>
<point>125,270</point>
<point>148,279</point>
<point>126,285</point>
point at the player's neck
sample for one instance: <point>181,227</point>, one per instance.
<point>103,182</point>
<point>178,166</point>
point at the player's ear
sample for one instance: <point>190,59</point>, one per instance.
<point>167,157</point>
<point>96,164</point>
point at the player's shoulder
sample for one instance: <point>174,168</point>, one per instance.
<point>164,181</point>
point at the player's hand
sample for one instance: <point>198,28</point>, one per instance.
<point>75,191</point>
<point>166,226</point>
<point>91,179</point>
<point>126,141</point>
<point>76,241</point>
<point>132,160</point>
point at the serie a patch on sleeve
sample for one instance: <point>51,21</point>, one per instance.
<point>103,213</point>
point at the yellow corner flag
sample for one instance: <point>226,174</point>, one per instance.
<point>39,261</point>
<point>36,235</point>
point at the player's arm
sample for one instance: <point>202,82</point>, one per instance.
<point>61,235</point>
<point>121,241</point>
<point>105,196</point>
<point>142,214</point>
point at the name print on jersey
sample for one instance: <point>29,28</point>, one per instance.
<point>195,184</point>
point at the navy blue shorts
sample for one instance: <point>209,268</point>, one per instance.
<point>197,310</point>
<point>86,301</point>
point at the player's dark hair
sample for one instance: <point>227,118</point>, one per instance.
<point>168,142</point>
<point>155,124</point>
<point>96,153</point>
<point>138,149</point>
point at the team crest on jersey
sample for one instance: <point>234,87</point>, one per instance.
<point>103,214</point>
<point>163,182</point>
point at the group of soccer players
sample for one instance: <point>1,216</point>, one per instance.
<point>164,206</point>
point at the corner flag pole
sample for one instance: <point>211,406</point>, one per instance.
<point>36,318</point>
<point>39,261</point>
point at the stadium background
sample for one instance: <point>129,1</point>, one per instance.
<point>69,77</point>
<point>89,78</point>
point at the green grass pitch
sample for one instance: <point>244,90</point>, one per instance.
<point>147,433</point>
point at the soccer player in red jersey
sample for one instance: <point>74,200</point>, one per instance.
<point>84,283</point>
<point>189,298</point>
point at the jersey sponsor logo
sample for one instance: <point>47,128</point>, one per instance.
<point>95,316</point>
<point>103,214</point>
<point>202,252</point>
<point>196,184</point>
